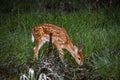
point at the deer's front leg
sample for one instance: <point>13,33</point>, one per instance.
<point>58,46</point>
<point>36,48</point>
<point>61,54</point>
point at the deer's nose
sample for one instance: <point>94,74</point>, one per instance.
<point>81,63</point>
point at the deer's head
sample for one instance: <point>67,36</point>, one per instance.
<point>78,55</point>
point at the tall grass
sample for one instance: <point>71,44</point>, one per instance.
<point>106,65</point>
<point>98,31</point>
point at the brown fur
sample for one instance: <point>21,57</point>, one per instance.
<point>60,38</point>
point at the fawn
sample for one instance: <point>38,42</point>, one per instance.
<point>60,38</point>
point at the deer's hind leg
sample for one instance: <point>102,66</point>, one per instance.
<point>38,45</point>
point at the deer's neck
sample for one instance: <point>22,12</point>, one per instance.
<point>70,48</point>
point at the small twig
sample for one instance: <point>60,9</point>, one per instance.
<point>49,53</point>
<point>50,44</point>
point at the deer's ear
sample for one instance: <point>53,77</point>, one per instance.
<point>80,50</point>
<point>75,49</point>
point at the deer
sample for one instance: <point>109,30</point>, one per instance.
<point>60,39</point>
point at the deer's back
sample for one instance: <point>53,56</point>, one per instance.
<point>43,31</point>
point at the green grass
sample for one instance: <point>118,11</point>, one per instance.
<point>99,31</point>
<point>106,65</point>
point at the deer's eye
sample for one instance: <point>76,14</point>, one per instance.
<point>78,58</point>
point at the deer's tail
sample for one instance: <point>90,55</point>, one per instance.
<point>33,38</point>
